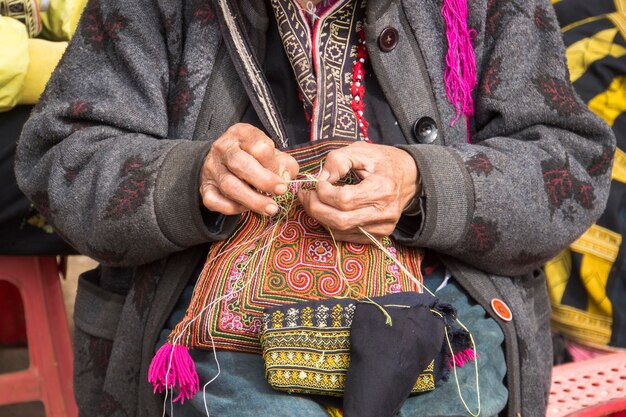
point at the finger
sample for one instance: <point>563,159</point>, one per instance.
<point>354,237</point>
<point>327,215</point>
<point>233,188</point>
<point>213,200</point>
<point>340,161</point>
<point>255,142</point>
<point>247,168</point>
<point>336,166</point>
<point>378,230</point>
<point>287,166</point>
<point>374,191</point>
<point>252,141</point>
<point>343,220</point>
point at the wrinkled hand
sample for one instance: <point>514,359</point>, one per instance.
<point>242,162</point>
<point>389,182</point>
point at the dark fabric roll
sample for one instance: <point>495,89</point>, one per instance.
<point>386,360</point>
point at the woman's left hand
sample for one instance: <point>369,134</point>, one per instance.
<point>389,181</point>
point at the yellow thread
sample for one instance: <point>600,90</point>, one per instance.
<point>393,258</point>
<point>456,376</point>
<point>388,320</point>
<point>458,386</point>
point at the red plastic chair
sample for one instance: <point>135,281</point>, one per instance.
<point>49,376</point>
<point>591,388</point>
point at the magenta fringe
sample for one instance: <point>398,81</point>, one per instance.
<point>460,72</point>
<point>461,358</point>
<point>172,367</point>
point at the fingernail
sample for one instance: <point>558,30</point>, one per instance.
<point>286,176</point>
<point>324,175</point>
<point>280,189</point>
<point>271,209</point>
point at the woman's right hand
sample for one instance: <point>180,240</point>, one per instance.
<point>243,164</point>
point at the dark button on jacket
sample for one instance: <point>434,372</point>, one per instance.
<point>388,39</point>
<point>425,130</point>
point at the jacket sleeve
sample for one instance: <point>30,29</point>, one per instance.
<point>95,157</point>
<point>536,173</point>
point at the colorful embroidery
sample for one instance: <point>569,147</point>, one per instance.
<point>257,268</point>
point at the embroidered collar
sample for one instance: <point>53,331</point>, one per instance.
<point>322,57</point>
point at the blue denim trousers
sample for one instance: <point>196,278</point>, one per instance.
<point>241,390</point>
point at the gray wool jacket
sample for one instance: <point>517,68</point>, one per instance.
<point>111,156</point>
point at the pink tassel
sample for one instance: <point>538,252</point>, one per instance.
<point>172,367</point>
<point>461,358</point>
<point>460,72</point>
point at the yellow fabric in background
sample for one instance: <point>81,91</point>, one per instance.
<point>599,248</point>
<point>619,166</point>
<point>581,54</point>
<point>13,61</point>
<point>60,20</point>
<point>44,57</point>
<point>26,64</point>
<point>333,412</point>
<point>611,103</point>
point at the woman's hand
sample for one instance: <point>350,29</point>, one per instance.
<point>389,180</point>
<point>240,162</point>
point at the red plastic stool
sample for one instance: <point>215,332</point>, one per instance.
<point>591,388</point>
<point>49,376</point>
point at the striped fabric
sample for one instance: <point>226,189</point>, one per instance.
<point>587,282</point>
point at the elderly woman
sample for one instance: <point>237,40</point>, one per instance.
<point>169,124</point>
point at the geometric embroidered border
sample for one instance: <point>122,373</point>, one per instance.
<point>314,359</point>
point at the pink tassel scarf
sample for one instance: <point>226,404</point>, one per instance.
<point>460,72</point>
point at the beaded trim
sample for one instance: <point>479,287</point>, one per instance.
<point>358,87</point>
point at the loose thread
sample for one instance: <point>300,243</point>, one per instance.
<point>454,367</point>
<point>379,245</point>
<point>219,371</point>
<point>388,320</point>
<point>311,10</point>
<point>211,305</point>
